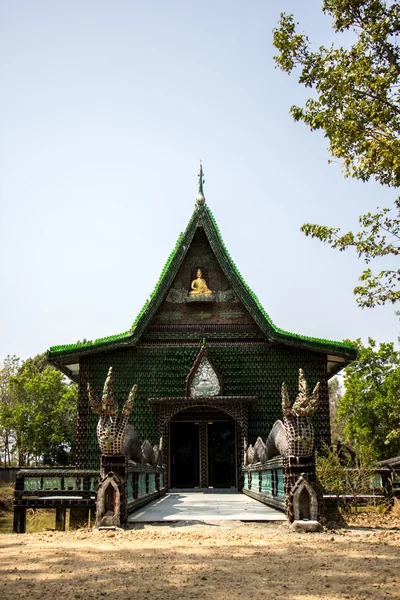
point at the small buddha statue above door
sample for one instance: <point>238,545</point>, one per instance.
<point>199,286</point>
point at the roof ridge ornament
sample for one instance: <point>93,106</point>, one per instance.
<point>200,197</point>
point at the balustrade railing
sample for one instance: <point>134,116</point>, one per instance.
<point>144,483</point>
<point>46,486</point>
<point>264,482</point>
<point>58,488</point>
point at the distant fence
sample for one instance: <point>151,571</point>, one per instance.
<point>371,485</point>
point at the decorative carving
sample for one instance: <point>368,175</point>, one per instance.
<point>108,502</point>
<point>199,286</point>
<point>299,430</point>
<point>200,298</point>
<point>111,427</point>
<point>205,383</point>
<point>260,451</point>
<point>200,196</point>
<point>293,439</point>
<point>148,454</point>
<point>114,435</point>
<point>295,435</point>
<point>305,500</point>
<point>180,296</point>
<point>131,445</point>
<point>250,456</point>
<point>158,453</point>
<point>226,296</point>
<point>176,296</point>
<point>203,379</point>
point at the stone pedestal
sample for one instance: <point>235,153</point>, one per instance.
<point>306,526</point>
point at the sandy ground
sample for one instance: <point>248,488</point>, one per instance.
<point>222,560</point>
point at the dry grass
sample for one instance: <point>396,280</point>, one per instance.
<point>381,516</point>
<point>6,498</point>
<point>396,508</point>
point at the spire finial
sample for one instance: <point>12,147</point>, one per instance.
<point>200,197</point>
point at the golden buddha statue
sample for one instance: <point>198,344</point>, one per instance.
<point>199,286</point>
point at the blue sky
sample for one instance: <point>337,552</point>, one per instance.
<point>105,111</point>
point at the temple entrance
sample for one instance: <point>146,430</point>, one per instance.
<point>203,449</point>
<point>185,455</point>
<point>221,423</point>
<point>221,454</point>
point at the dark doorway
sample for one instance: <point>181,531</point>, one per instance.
<point>184,455</point>
<point>221,455</point>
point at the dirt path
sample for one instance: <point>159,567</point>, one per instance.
<point>222,560</point>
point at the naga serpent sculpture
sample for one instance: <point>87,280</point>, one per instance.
<point>295,435</point>
<point>114,435</point>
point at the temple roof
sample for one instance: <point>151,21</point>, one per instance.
<point>202,217</point>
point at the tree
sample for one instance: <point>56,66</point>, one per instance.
<point>9,368</point>
<point>356,102</point>
<point>370,405</point>
<point>41,413</point>
<point>335,395</point>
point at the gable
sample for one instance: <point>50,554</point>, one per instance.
<point>237,305</point>
<point>222,308</point>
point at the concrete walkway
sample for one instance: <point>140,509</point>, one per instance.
<point>213,505</point>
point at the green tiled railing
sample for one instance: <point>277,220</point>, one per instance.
<point>280,491</point>
<point>152,482</point>
<point>255,482</point>
<point>144,483</point>
<point>56,481</point>
<point>265,482</point>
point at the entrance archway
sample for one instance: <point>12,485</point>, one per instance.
<point>234,409</point>
<point>203,449</point>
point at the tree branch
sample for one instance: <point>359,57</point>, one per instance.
<point>382,100</point>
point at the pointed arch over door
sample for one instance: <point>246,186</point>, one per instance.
<point>235,406</point>
<point>203,380</point>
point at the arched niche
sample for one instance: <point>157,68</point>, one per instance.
<point>108,501</point>
<point>305,501</point>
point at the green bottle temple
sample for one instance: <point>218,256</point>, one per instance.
<point>208,361</point>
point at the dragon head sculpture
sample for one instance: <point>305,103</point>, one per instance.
<point>298,425</point>
<point>112,426</point>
